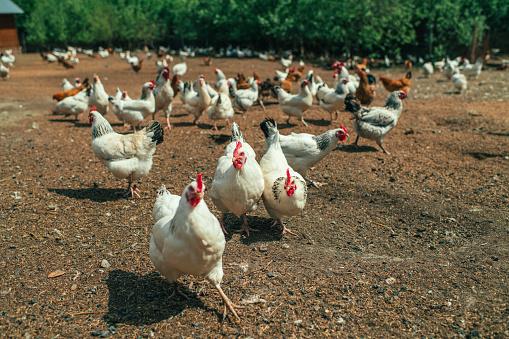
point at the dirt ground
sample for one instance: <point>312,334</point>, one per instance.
<point>414,244</point>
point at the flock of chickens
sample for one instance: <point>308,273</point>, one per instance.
<point>187,238</point>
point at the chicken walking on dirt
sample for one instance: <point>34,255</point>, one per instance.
<point>285,191</point>
<point>187,239</point>
<point>238,182</point>
<point>295,105</point>
<point>127,156</point>
<point>376,122</point>
<point>302,150</point>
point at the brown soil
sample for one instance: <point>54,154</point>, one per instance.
<point>414,244</point>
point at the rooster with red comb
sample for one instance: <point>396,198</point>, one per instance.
<point>238,182</point>
<point>187,239</point>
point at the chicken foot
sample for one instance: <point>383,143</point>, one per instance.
<point>221,222</point>
<point>214,128</point>
<point>383,149</point>
<point>132,189</point>
<point>228,305</point>
<point>168,126</point>
<point>285,230</point>
<point>177,290</point>
<point>245,227</point>
<point>315,183</point>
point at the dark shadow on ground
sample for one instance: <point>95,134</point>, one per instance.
<point>136,299</point>
<point>92,193</point>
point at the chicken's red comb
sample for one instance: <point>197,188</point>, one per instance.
<point>288,176</point>
<point>344,129</point>
<point>93,109</point>
<point>237,147</point>
<point>199,182</point>
<point>215,70</point>
<point>152,82</point>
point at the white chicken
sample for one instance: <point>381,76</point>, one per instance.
<point>116,110</point>
<point>135,111</point>
<point>4,71</point>
<point>66,85</point>
<point>187,239</point>
<point>73,105</point>
<point>287,62</point>
<point>285,191</point>
<point>127,156</point>
<point>332,101</point>
<point>197,102</point>
<point>459,81</point>
<point>164,94</point>
<point>180,68</point>
<point>472,70</point>
<point>244,98</point>
<point>7,57</point>
<point>313,86</point>
<point>375,123</point>
<point>221,106</point>
<point>302,150</point>
<point>280,76</point>
<point>98,96</point>
<point>449,70</point>
<point>295,105</point>
<point>161,65</point>
<point>427,69</point>
<point>353,80</point>
<point>238,182</point>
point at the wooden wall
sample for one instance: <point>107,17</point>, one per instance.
<point>8,32</point>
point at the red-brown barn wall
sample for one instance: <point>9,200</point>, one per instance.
<point>8,32</point>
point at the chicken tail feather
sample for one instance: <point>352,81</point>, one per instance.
<point>268,127</point>
<point>236,133</point>
<point>157,129</point>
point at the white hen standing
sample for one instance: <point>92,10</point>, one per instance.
<point>197,102</point>
<point>303,150</point>
<point>135,111</point>
<point>221,106</point>
<point>164,94</point>
<point>285,190</point>
<point>375,123</point>
<point>238,182</point>
<point>187,239</point>
<point>98,96</point>
<point>127,156</point>
<point>295,105</point>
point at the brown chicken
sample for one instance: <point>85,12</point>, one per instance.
<point>138,66</point>
<point>73,91</point>
<point>402,84</point>
<point>298,73</point>
<point>365,92</point>
<point>362,66</point>
<point>287,84</point>
<point>241,82</point>
<point>408,65</point>
<point>66,63</point>
<point>207,61</point>
<point>175,84</point>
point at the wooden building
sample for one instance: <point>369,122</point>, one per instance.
<point>8,31</point>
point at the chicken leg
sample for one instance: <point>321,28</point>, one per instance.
<point>221,222</point>
<point>228,305</point>
<point>214,128</point>
<point>177,290</point>
<point>245,227</point>
<point>168,126</point>
<point>285,230</point>
<point>132,189</point>
<point>315,183</point>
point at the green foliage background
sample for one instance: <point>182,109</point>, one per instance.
<point>331,27</point>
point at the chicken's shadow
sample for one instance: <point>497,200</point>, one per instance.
<point>183,124</point>
<point>91,193</point>
<point>220,139</point>
<point>319,122</point>
<point>136,299</point>
<point>359,149</point>
<point>265,232</point>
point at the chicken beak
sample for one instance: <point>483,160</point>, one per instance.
<point>199,195</point>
